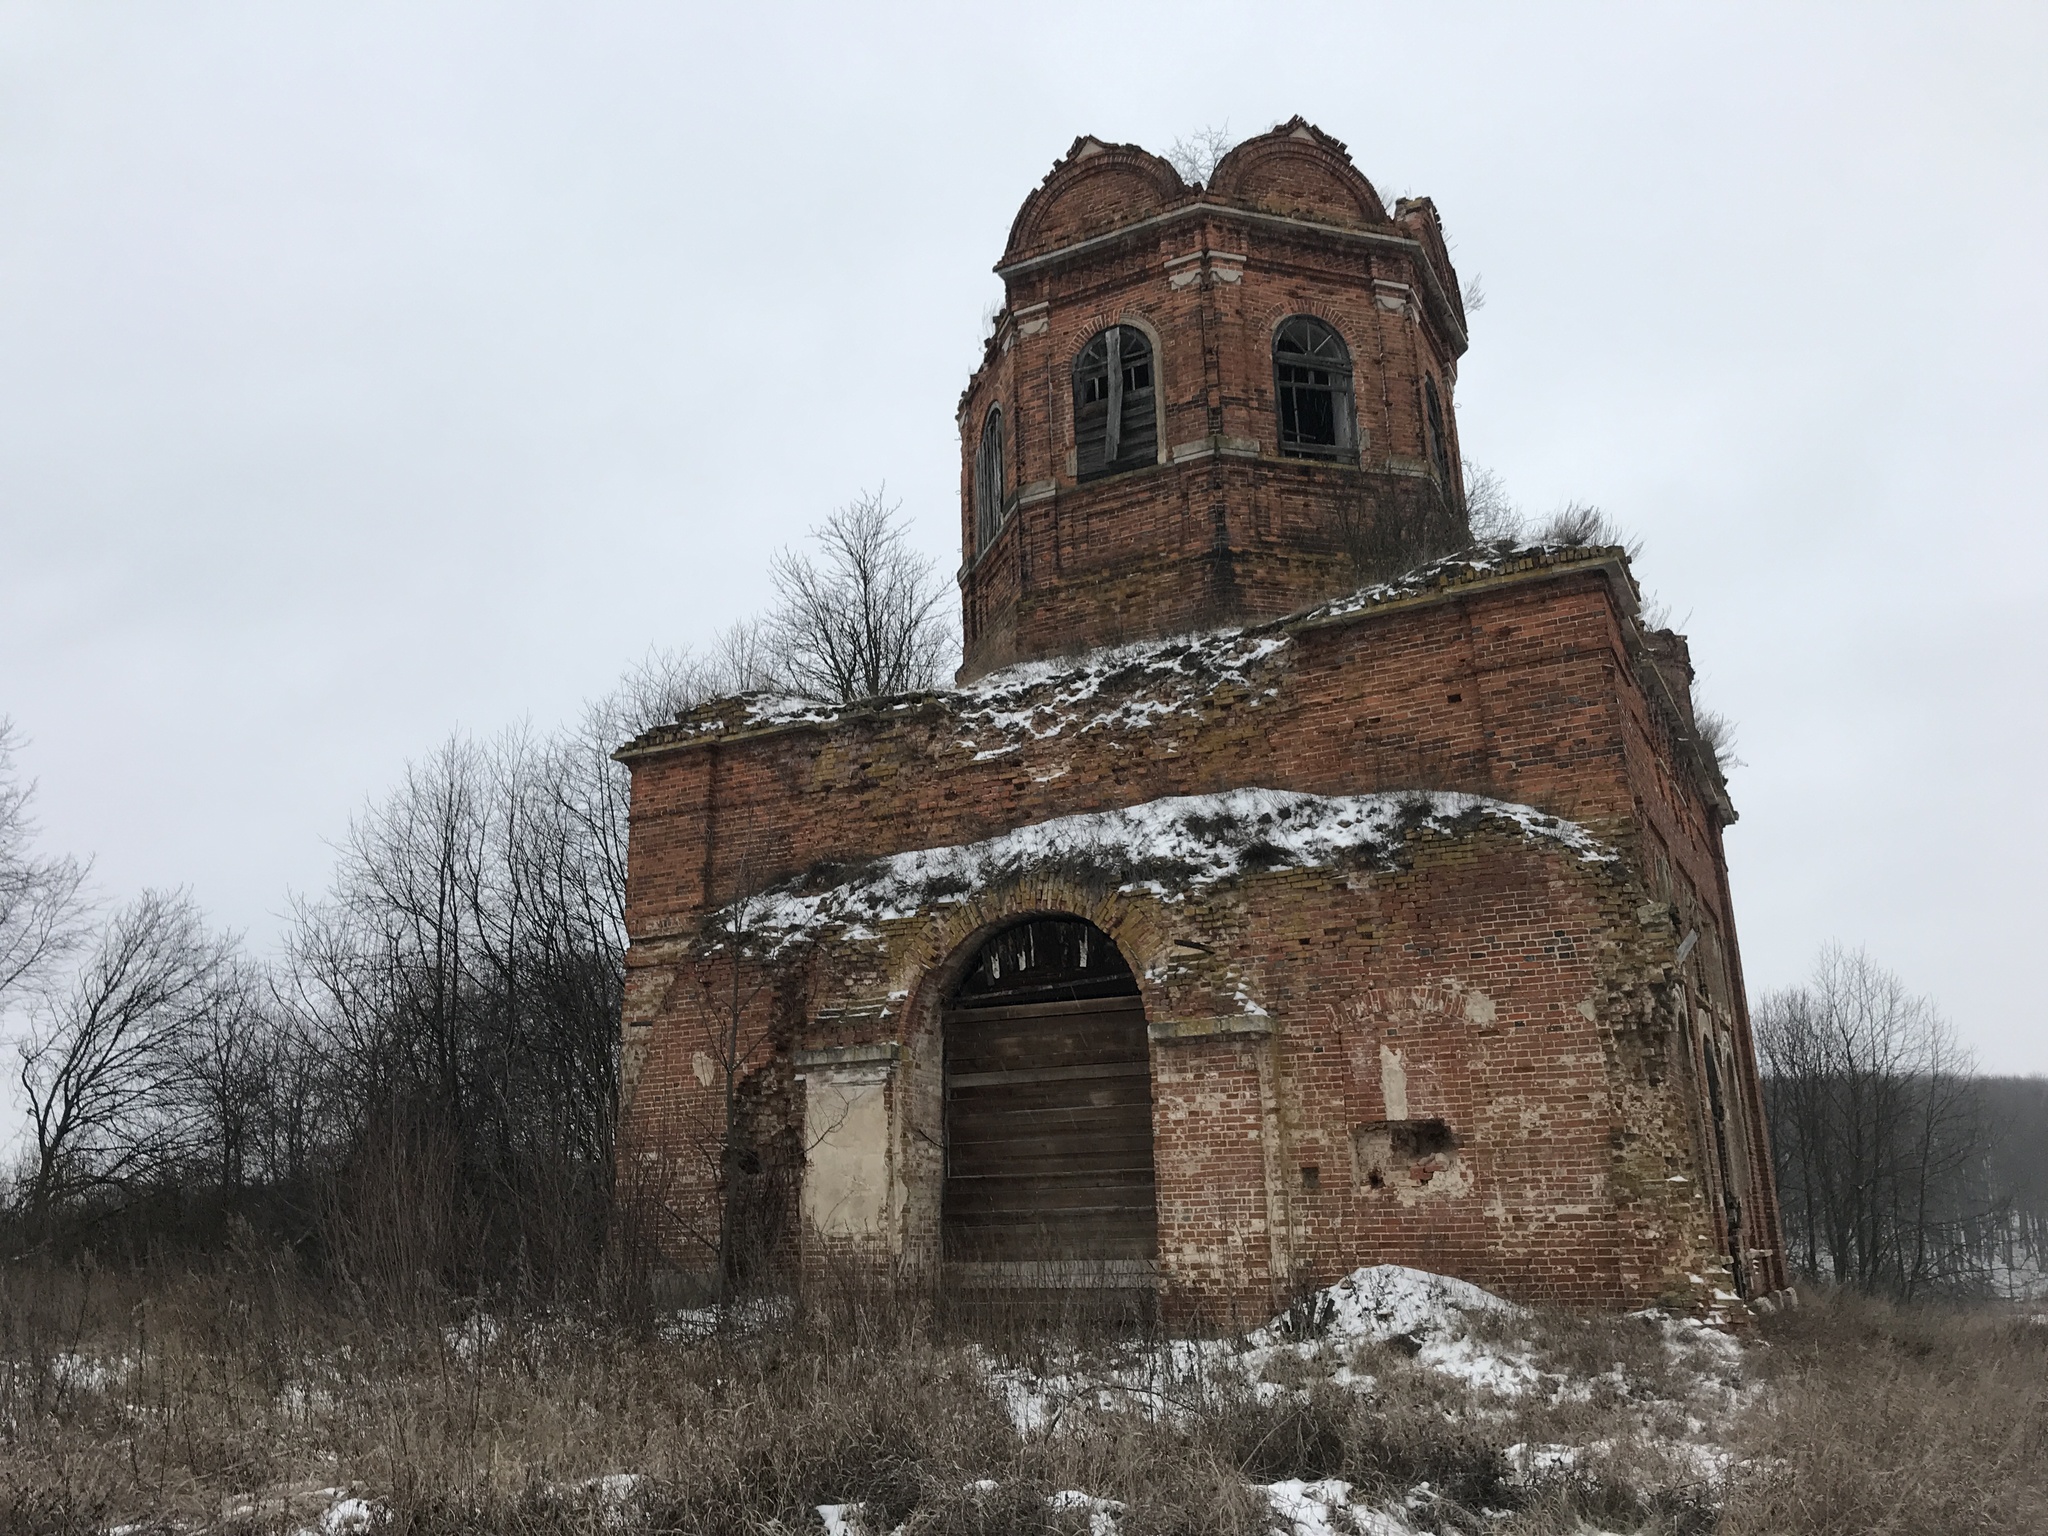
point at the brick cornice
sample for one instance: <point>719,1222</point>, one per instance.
<point>1446,313</point>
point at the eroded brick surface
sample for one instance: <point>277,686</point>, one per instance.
<point>1477,1045</point>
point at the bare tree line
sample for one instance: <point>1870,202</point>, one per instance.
<point>423,1082</point>
<point>1899,1170</point>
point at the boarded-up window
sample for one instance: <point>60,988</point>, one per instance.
<point>989,484</point>
<point>1312,381</point>
<point>1114,423</point>
<point>1048,1103</point>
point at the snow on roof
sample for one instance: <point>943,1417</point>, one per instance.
<point>1125,688</point>
<point>1120,688</point>
<point>1482,560</point>
<point>1167,846</point>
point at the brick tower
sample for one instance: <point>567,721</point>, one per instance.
<point>1205,404</point>
<point>1287,885</point>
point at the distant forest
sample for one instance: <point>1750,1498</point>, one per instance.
<point>1899,1170</point>
<point>2017,1110</point>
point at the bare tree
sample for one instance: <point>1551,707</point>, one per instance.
<point>42,905</point>
<point>464,977</point>
<point>1877,1131</point>
<point>1196,157</point>
<point>226,1063</point>
<point>1489,512</point>
<point>103,1070</point>
<point>863,619</point>
<point>2018,1248</point>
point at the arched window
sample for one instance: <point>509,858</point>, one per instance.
<point>989,485</point>
<point>1439,444</point>
<point>1114,427</point>
<point>1312,378</point>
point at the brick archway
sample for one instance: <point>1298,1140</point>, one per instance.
<point>1047,1109</point>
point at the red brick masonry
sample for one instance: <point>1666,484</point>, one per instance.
<point>1485,1027</point>
<point>1221,526</point>
<point>1437,963</point>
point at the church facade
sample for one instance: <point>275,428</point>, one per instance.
<point>1287,885</point>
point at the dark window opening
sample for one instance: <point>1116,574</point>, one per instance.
<point>1439,443</point>
<point>989,484</point>
<point>1312,381</point>
<point>1114,425</point>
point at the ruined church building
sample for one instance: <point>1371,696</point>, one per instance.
<point>1288,884</point>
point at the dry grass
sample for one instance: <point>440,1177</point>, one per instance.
<point>236,1398</point>
<point>1876,1418</point>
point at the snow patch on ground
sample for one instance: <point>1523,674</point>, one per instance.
<point>469,1339</point>
<point>1326,1508</point>
<point>349,1517</point>
<point>1442,1325</point>
<point>1382,1304</point>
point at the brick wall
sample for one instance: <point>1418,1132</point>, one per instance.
<point>1477,1047</point>
<point>1534,1001</point>
<point>1222,527</point>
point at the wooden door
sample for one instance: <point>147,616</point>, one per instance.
<point>1049,1133</point>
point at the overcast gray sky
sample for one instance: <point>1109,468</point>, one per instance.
<point>372,371</point>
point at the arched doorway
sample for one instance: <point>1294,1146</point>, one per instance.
<point>1048,1095</point>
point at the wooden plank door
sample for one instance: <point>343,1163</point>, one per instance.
<point>1049,1133</point>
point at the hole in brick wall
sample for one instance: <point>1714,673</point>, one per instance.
<point>1311,1177</point>
<point>1454,698</point>
<point>1407,1154</point>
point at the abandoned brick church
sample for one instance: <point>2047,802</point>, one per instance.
<point>1288,884</point>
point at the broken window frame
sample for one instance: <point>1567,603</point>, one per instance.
<point>1312,378</point>
<point>991,506</point>
<point>1433,424</point>
<point>1116,427</point>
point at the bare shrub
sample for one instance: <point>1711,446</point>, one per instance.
<point>1716,732</point>
<point>1494,518</point>
<point>1580,526</point>
<point>1489,512</point>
